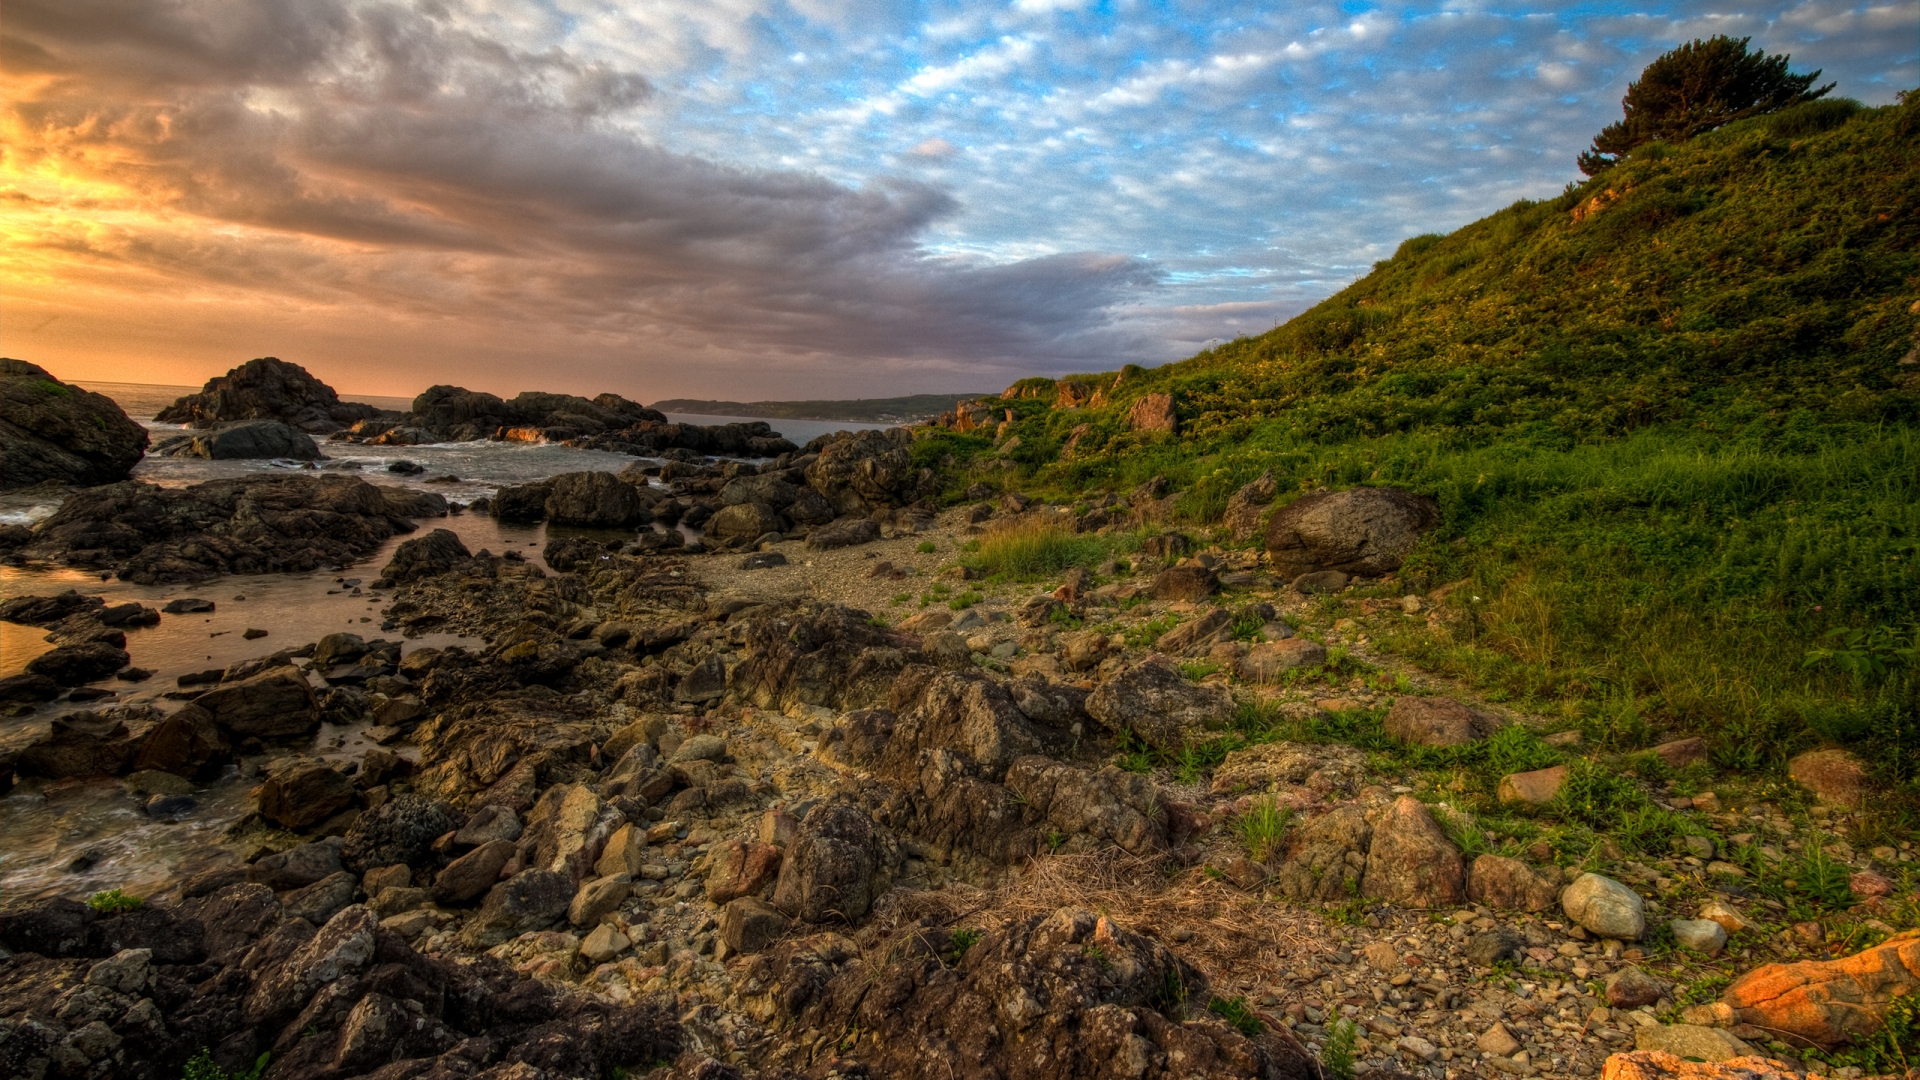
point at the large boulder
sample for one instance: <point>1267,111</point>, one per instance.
<point>966,713</point>
<point>275,704</point>
<point>267,389</point>
<point>426,556</point>
<point>300,793</point>
<point>471,875</point>
<point>847,532</point>
<point>1326,858</point>
<point>1156,702</point>
<point>1828,1002</point>
<point>187,743</point>
<point>1153,412</point>
<point>1499,882</point>
<point>244,439</point>
<point>1411,862</point>
<point>860,471</point>
<point>1433,721</point>
<point>530,900</point>
<point>1363,531</point>
<point>1836,777</point>
<point>71,665</point>
<point>595,500</point>
<point>53,432</point>
<point>79,744</point>
<point>744,521</point>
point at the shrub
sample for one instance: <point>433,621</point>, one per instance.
<point>113,901</point>
<point>1027,548</point>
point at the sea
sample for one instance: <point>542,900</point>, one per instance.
<point>74,837</point>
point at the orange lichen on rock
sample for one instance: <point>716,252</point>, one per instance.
<point>1829,1002</point>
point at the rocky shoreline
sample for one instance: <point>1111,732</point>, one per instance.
<point>742,806</point>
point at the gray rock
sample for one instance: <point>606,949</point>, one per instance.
<point>595,500</point>
<point>1365,531</point>
<point>707,681</point>
<point>701,748</point>
<point>830,871</point>
<point>246,439</point>
<point>748,521</point>
<point>1630,988</point>
<point>426,556</point>
<point>401,830</point>
<point>1700,935</point>
<point>844,533</point>
<point>530,900</point>
<point>487,824</point>
<point>129,971</point>
<point>1691,1041</point>
<point>318,902</point>
<point>1489,947</point>
<point>341,948</point>
<point>1157,703</point>
<point>1247,508</point>
<point>297,867</point>
<point>275,704</point>
<point>1605,907</point>
<point>596,898</point>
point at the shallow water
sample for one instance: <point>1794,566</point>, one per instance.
<point>46,825</point>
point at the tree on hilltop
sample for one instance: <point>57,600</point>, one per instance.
<point>1695,88</point>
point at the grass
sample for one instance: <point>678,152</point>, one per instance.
<point>113,901</point>
<point>1261,828</point>
<point>1238,1015</point>
<point>1026,548</point>
<point>202,1067</point>
<point>1338,1055</point>
<point>1672,443</point>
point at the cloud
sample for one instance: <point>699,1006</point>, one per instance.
<point>659,198</point>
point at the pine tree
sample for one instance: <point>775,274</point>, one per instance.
<point>1696,88</point>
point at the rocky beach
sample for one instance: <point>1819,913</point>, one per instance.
<point>762,766</point>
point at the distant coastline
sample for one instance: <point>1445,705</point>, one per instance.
<point>894,410</point>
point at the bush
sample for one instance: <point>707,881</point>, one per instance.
<point>1027,548</point>
<point>114,901</point>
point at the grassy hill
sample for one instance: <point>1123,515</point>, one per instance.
<point>1672,417</point>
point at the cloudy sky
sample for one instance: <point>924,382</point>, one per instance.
<point>753,199</point>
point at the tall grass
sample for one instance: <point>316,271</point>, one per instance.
<point>1032,546</point>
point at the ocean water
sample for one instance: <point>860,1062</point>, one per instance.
<point>46,825</point>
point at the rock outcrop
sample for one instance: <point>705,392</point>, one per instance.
<point>267,389</point>
<point>51,432</point>
<point>242,439</point>
<point>250,525</point>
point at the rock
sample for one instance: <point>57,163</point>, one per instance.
<point>763,560</point>
<point>275,704</point>
<point>707,681</point>
<point>749,926</point>
<point>1605,907</point>
<point>487,824</point>
<point>1660,1065</point>
<point>1190,583</point>
<point>744,521</point>
<point>741,868</point>
<point>53,432</point>
<point>129,971</point>
<point>596,898</point>
<point>1509,884</point>
<point>946,649</point>
<point>1267,661</point>
<point>1364,531</point>
<point>340,949</point>
<point>1411,862</point>
<point>701,748</point>
<point>625,852</point>
<point>187,605</point>
<point>378,878</point>
<point>1630,988</point>
<point>317,902</point>
<point>1432,721</point>
<point>1198,633</point>
<point>301,793</point>
<point>170,807</point>
<point>254,524</point>
<point>843,533</point>
<point>1681,753</point>
<point>244,439</point>
<point>1156,702</point>
<point>829,872</point>
<point>28,687</point>
<point>297,867</point>
<point>471,875</point>
<point>144,782</point>
<point>1828,1002</point>
<point>595,500</point>
<point>79,744</point>
<point>530,900</point>
<point>1690,1041</point>
<point>1489,947</point>
<point>1382,956</point>
<point>337,648</point>
<point>1498,1041</point>
<point>1700,935</point>
<point>1319,583</point>
<point>399,831</point>
<point>1247,508</point>
<point>1536,788</point>
<point>72,665</point>
<point>1327,857</point>
<point>426,556</point>
<point>47,610</point>
<point>267,389</point>
<point>1868,885</point>
<point>1083,651</point>
<point>1836,777</point>
<point>603,944</point>
<point>1154,412</point>
<point>1729,919</point>
<point>520,502</point>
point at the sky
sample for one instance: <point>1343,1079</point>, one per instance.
<point>761,199</point>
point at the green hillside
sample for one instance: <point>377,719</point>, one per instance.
<point>1670,415</point>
